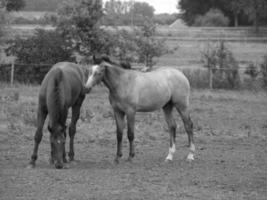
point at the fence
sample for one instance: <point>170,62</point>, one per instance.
<point>198,77</point>
<point>23,73</point>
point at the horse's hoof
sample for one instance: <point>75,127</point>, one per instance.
<point>168,160</point>
<point>190,157</point>
<point>129,159</point>
<point>116,160</point>
<point>66,166</point>
<point>30,166</point>
<point>73,162</point>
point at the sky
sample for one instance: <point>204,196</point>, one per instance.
<point>161,6</point>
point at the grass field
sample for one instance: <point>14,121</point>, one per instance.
<point>231,160</point>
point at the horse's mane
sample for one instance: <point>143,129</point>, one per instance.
<point>105,58</point>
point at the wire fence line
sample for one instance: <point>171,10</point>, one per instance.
<point>199,77</point>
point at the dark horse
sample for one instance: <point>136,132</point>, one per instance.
<point>133,91</point>
<point>62,88</point>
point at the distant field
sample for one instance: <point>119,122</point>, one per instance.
<point>191,41</point>
<point>189,52</point>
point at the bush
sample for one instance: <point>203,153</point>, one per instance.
<point>45,47</point>
<point>222,66</point>
<point>213,17</point>
<point>252,71</point>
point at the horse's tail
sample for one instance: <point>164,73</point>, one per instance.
<point>54,98</point>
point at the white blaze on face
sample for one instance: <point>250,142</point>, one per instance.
<point>90,81</point>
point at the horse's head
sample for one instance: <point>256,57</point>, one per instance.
<point>57,140</point>
<point>98,72</point>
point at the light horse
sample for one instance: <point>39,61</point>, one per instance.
<point>133,91</point>
<point>62,88</point>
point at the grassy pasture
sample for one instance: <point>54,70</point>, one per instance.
<point>230,134</point>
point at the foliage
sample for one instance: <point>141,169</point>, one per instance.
<point>222,66</point>
<point>235,10</point>
<point>124,46</point>
<point>165,18</point>
<point>256,11</point>
<point>213,17</point>
<point>47,19</point>
<point>3,22</point>
<point>252,71</point>
<point>42,5</point>
<point>148,46</point>
<point>78,23</point>
<point>126,12</point>
<point>264,70</point>
<point>45,47</point>
<point>12,5</point>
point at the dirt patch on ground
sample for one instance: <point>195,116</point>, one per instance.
<point>231,158</point>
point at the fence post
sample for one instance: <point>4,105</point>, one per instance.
<point>210,79</point>
<point>12,73</point>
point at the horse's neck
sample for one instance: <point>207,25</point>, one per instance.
<point>113,78</point>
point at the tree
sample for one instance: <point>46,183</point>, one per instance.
<point>222,66</point>
<point>256,10</point>
<point>192,8</point>
<point>78,22</point>
<point>12,5</point>
<point>236,6</point>
<point>148,46</point>
<point>3,21</point>
<point>234,10</point>
<point>126,12</point>
<point>117,12</point>
<point>142,10</point>
<point>213,17</point>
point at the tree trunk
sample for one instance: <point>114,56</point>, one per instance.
<point>210,78</point>
<point>256,21</point>
<point>236,19</point>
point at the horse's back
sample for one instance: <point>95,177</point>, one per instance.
<point>71,82</point>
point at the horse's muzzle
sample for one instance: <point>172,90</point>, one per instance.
<point>59,165</point>
<point>86,89</point>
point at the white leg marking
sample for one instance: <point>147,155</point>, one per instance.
<point>190,156</point>
<point>192,148</point>
<point>171,152</point>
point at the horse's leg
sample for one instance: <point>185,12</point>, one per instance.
<point>41,116</point>
<point>188,124</point>
<point>65,116</point>
<point>72,128</point>
<point>119,118</point>
<point>172,129</point>
<point>130,134</point>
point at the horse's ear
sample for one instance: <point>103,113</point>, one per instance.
<point>49,128</point>
<point>94,59</point>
